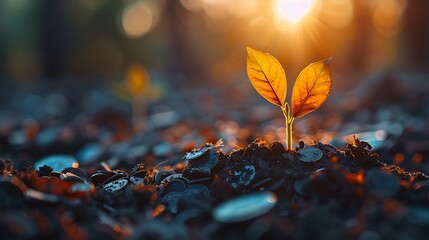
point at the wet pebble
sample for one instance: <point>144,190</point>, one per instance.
<point>57,162</point>
<point>171,177</point>
<point>47,136</point>
<point>18,139</point>
<point>116,185</point>
<point>175,185</point>
<point>137,180</point>
<point>197,190</point>
<point>70,177</point>
<point>117,175</point>
<point>101,176</point>
<point>208,161</point>
<point>327,148</point>
<point>161,175</point>
<point>197,173</point>
<point>302,187</point>
<point>76,171</point>
<point>309,154</point>
<point>244,207</point>
<point>82,188</point>
<point>382,183</point>
<point>418,215</point>
<point>89,153</point>
<point>41,196</point>
<point>171,200</point>
<point>140,173</point>
<point>195,154</point>
<point>162,149</point>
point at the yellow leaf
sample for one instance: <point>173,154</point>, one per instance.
<point>267,76</point>
<point>137,79</point>
<point>311,88</point>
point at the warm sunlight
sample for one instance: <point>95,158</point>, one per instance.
<point>292,10</point>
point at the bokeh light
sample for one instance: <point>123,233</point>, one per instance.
<point>337,13</point>
<point>192,5</point>
<point>293,10</point>
<point>138,18</point>
<point>387,16</point>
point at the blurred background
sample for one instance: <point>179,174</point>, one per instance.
<point>89,75</point>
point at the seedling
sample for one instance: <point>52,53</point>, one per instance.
<point>138,83</point>
<point>310,90</point>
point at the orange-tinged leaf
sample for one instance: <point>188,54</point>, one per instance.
<point>311,88</point>
<point>267,76</point>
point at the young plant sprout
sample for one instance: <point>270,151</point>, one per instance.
<point>138,84</point>
<point>310,90</point>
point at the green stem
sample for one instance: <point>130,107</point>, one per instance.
<point>289,121</point>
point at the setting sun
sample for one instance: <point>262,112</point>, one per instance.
<point>292,10</point>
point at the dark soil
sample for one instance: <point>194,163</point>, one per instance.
<point>346,194</point>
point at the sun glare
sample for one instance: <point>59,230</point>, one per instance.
<point>292,10</point>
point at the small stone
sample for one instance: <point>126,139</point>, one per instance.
<point>171,177</point>
<point>209,161</point>
<point>327,148</point>
<point>161,175</point>
<point>140,173</point>
<point>115,185</point>
<point>171,200</point>
<point>196,173</point>
<point>175,185</point>
<point>302,187</point>
<point>382,183</point>
<point>244,207</point>
<point>76,171</point>
<point>184,181</point>
<point>197,189</point>
<point>309,154</point>
<point>194,154</point>
<point>82,188</point>
<point>41,196</point>
<point>47,136</point>
<point>418,215</point>
<point>162,149</point>
<point>301,144</point>
<point>89,153</point>
<point>101,176</point>
<point>137,180</point>
<point>118,174</point>
<point>57,162</point>
<point>70,177</point>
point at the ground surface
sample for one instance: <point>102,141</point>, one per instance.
<point>312,192</point>
<point>317,191</point>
